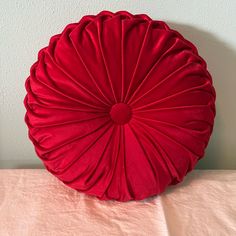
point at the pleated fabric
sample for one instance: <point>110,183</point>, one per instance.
<point>119,106</point>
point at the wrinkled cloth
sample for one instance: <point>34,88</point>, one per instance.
<point>33,202</point>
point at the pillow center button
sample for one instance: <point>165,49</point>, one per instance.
<point>120,113</point>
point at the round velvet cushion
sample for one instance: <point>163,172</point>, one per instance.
<point>119,106</point>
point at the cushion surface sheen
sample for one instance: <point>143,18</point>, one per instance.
<point>119,106</point>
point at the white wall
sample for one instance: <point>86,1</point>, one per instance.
<point>26,26</point>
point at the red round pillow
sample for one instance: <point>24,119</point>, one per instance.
<point>119,106</point>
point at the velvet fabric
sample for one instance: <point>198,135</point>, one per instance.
<point>119,106</point>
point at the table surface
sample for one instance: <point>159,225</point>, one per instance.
<point>33,202</point>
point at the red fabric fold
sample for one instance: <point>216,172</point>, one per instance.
<point>119,106</point>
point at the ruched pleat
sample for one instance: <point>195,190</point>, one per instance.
<point>119,106</point>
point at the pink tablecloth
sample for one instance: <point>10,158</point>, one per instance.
<point>33,202</point>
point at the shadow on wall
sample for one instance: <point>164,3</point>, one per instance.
<point>23,164</point>
<point>221,61</point>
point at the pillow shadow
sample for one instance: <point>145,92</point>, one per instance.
<point>220,60</point>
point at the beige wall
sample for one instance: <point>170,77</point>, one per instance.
<point>25,27</point>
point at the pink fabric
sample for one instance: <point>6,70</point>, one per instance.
<point>33,202</point>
